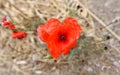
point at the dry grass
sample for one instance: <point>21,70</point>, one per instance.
<point>28,56</point>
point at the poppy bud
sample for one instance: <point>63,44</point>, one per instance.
<point>4,19</point>
<point>19,34</point>
<point>11,27</point>
<point>6,23</point>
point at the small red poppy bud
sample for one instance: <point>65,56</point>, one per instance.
<point>6,23</point>
<point>4,19</point>
<point>11,26</point>
<point>19,34</point>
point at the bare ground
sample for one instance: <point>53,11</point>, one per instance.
<point>27,56</point>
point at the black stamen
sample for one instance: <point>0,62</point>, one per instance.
<point>62,37</point>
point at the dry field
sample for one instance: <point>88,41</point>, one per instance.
<point>97,51</point>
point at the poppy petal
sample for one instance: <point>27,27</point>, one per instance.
<point>73,23</point>
<point>42,34</point>
<point>67,47</point>
<point>70,39</point>
<point>54,44</point>
<point>45,30</point>
<point>52,24</point>
<point>54,48</point>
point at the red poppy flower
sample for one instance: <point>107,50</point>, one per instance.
<point>6,23</point>
<point>19,34</point>
<point>11,26</point>
<point>59,37</point>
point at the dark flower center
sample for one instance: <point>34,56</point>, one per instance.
<point>62,37</point>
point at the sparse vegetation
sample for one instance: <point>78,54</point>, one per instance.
<point>93,55</point>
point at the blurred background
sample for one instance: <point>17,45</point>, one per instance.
<point>97,53</point>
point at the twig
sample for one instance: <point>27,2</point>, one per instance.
<point>56,5</point>
<point>20,70</point>
<point>101,22</point>
<point>116,49</point>
<point>10,16</point>
<point>25,15</point>
<point>40,15</point>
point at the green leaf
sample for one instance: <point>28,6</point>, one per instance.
<point>48,57</point>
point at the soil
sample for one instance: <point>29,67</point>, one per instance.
<point>28,57</point>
